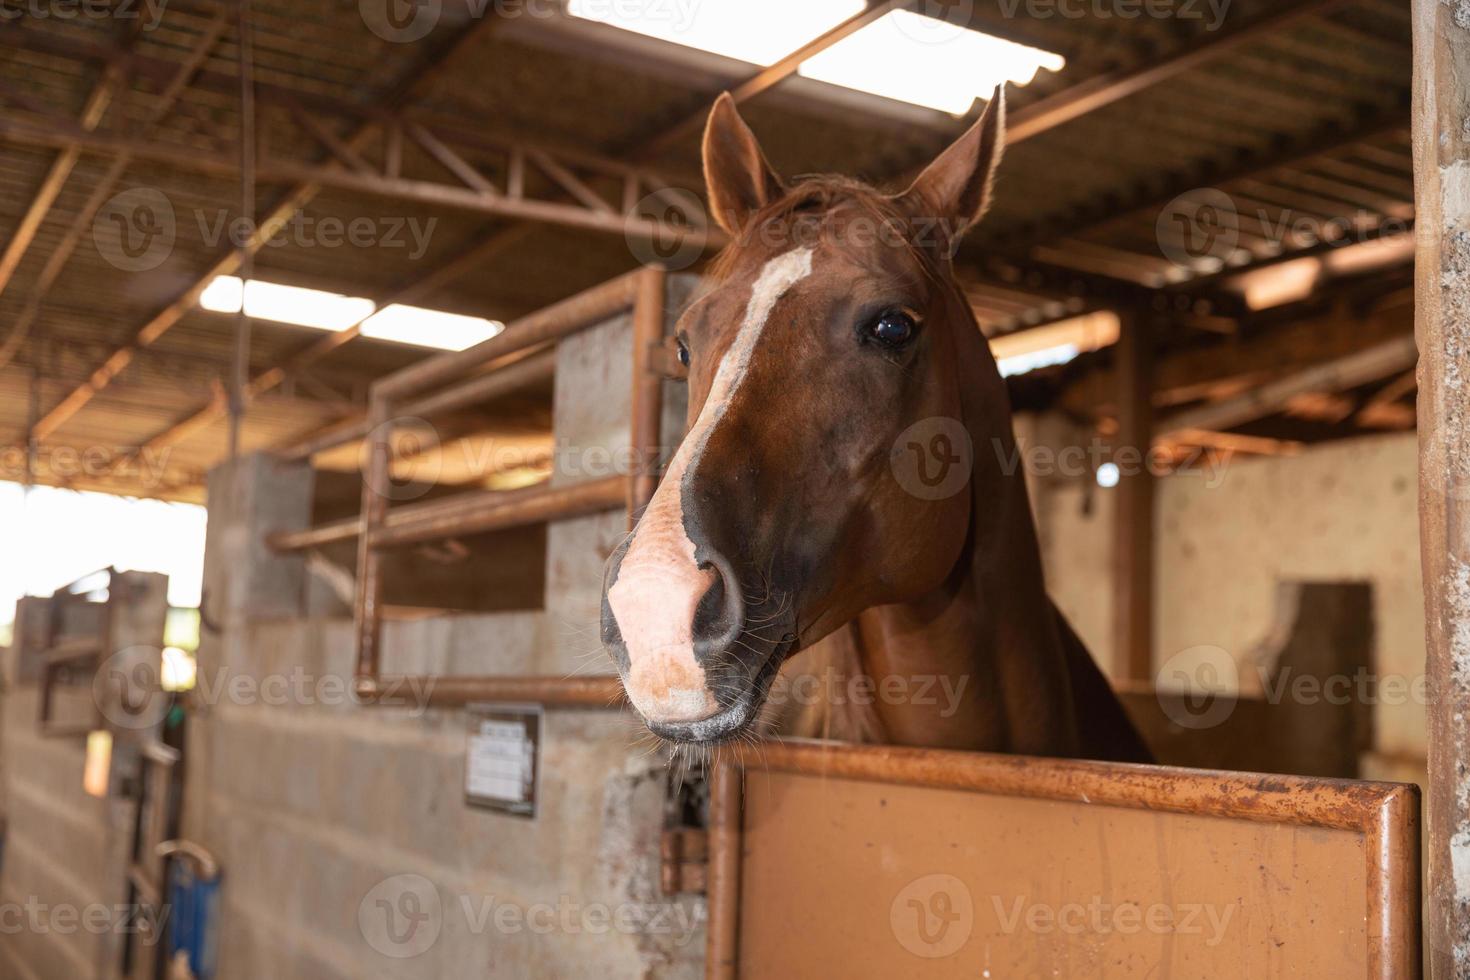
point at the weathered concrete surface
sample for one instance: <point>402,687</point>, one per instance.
<point>1226,536</point>
<point>63,883</point>
<point>60,853</point>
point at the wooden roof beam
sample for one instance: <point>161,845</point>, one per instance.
<point>59,256</point>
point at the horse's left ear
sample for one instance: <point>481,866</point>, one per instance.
<point>956,187</point>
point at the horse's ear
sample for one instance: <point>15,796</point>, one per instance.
<point>739,179</point>
<point>956,187</point>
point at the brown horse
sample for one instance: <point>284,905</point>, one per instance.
<point>843,488</point>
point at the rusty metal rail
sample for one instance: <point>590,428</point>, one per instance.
<point>521,356</point>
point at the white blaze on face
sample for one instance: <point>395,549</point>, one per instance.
<point>659,583</point>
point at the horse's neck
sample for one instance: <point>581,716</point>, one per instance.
<point>984,647</point>
<point>980,662</point>
<point>991,626</point>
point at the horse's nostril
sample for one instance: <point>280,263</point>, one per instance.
<point>720,616</point>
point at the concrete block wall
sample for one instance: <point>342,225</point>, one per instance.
<point>60,859</point>
<point>347,847</point>
<point>64,908</point>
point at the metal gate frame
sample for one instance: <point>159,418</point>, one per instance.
<point>1386,814</point>
<point>521,353</point>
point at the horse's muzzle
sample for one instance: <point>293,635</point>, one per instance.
<point>678,634</point>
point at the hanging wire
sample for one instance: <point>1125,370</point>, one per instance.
<point>240,376</point>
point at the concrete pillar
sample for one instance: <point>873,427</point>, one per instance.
<point>248,498</point>
<point>244,580</point>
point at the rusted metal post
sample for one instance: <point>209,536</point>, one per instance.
<point>367,616</point>
<point>1442,325</point>
<point>1133,514</point>
<point>648,390</point>
<point>724,871</point>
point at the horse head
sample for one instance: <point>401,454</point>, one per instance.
<point>829,327</point>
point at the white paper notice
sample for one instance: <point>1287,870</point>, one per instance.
<point>501,762</point>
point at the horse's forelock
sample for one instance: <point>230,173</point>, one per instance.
<point>823,197</point>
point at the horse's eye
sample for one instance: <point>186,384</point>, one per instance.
<point>893,329</point>
<point>683,353</point>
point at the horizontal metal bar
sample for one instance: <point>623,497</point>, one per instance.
<point>527,373</point>
<point>473,512</point>
<point>552,323</point>
<point>1344,804</point>
<point>400,690</point>
<point>480,516</point>
<point>270,170</point>
<point>73,650</point>
<point>536,369</point>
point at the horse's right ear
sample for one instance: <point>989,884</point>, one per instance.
<point>739,180</point>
